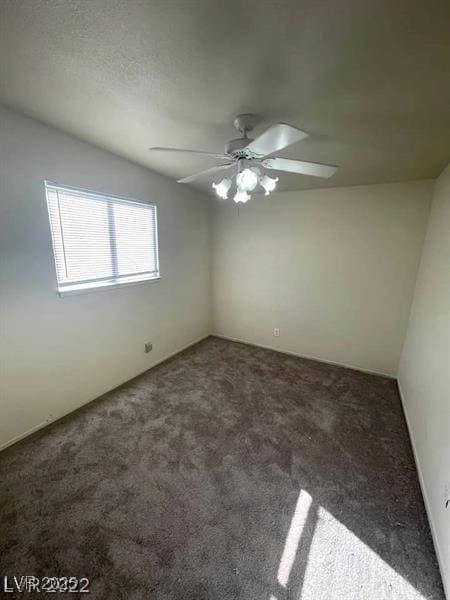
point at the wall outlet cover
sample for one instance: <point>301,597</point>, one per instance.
<point>276,332</point>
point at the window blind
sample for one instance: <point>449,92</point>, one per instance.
<point>100,240</point>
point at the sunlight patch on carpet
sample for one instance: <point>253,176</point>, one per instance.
<point>340,565</point>
<point>293,537</point>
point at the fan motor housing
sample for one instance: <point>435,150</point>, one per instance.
<point>237,147</point>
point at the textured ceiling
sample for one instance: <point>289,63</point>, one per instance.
<point>368,79</point>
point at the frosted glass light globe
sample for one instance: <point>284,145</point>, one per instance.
<point>222,188</point>
<point>246,180</point>
<point>241,196</point>
<point>268,183</point>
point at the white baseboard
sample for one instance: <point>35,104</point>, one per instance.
<point>25,434</point>
<point>439,553</point>
<point>53,418</point>
<point>308,356</point>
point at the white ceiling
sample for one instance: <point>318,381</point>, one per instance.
<point>369,80</point>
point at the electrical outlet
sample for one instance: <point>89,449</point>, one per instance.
<point>148,347</point>
<point>276,332</point>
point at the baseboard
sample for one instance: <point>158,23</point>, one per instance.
<point>308,356</point>
<point>52,419</point>
<point>439,554</point>
<point>21,436</point>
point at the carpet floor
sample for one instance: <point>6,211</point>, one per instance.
<point>228,472</point>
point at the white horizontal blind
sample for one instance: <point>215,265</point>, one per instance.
<point>100,239</point>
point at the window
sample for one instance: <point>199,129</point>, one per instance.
<point>100,240</point>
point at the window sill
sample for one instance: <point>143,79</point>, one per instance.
<point>103,286</point>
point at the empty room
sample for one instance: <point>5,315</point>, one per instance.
<point>225,299</point>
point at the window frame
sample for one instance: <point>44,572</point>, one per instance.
<point>103,283</point>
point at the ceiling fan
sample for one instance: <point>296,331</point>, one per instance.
<point>251,157</point>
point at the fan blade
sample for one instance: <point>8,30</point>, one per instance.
<point>299,166</point>
<point>275,138</point>
<point>205,172</point>
<point>213,154</point>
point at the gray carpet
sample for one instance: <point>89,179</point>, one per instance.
<point>229,472</point>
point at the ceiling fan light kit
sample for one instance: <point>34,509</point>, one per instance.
<point>248,156</point>
<point>246,181</point>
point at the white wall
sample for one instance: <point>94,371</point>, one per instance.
<point>424,374</point>
<point>334,269</point>
<point>57,354</point>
